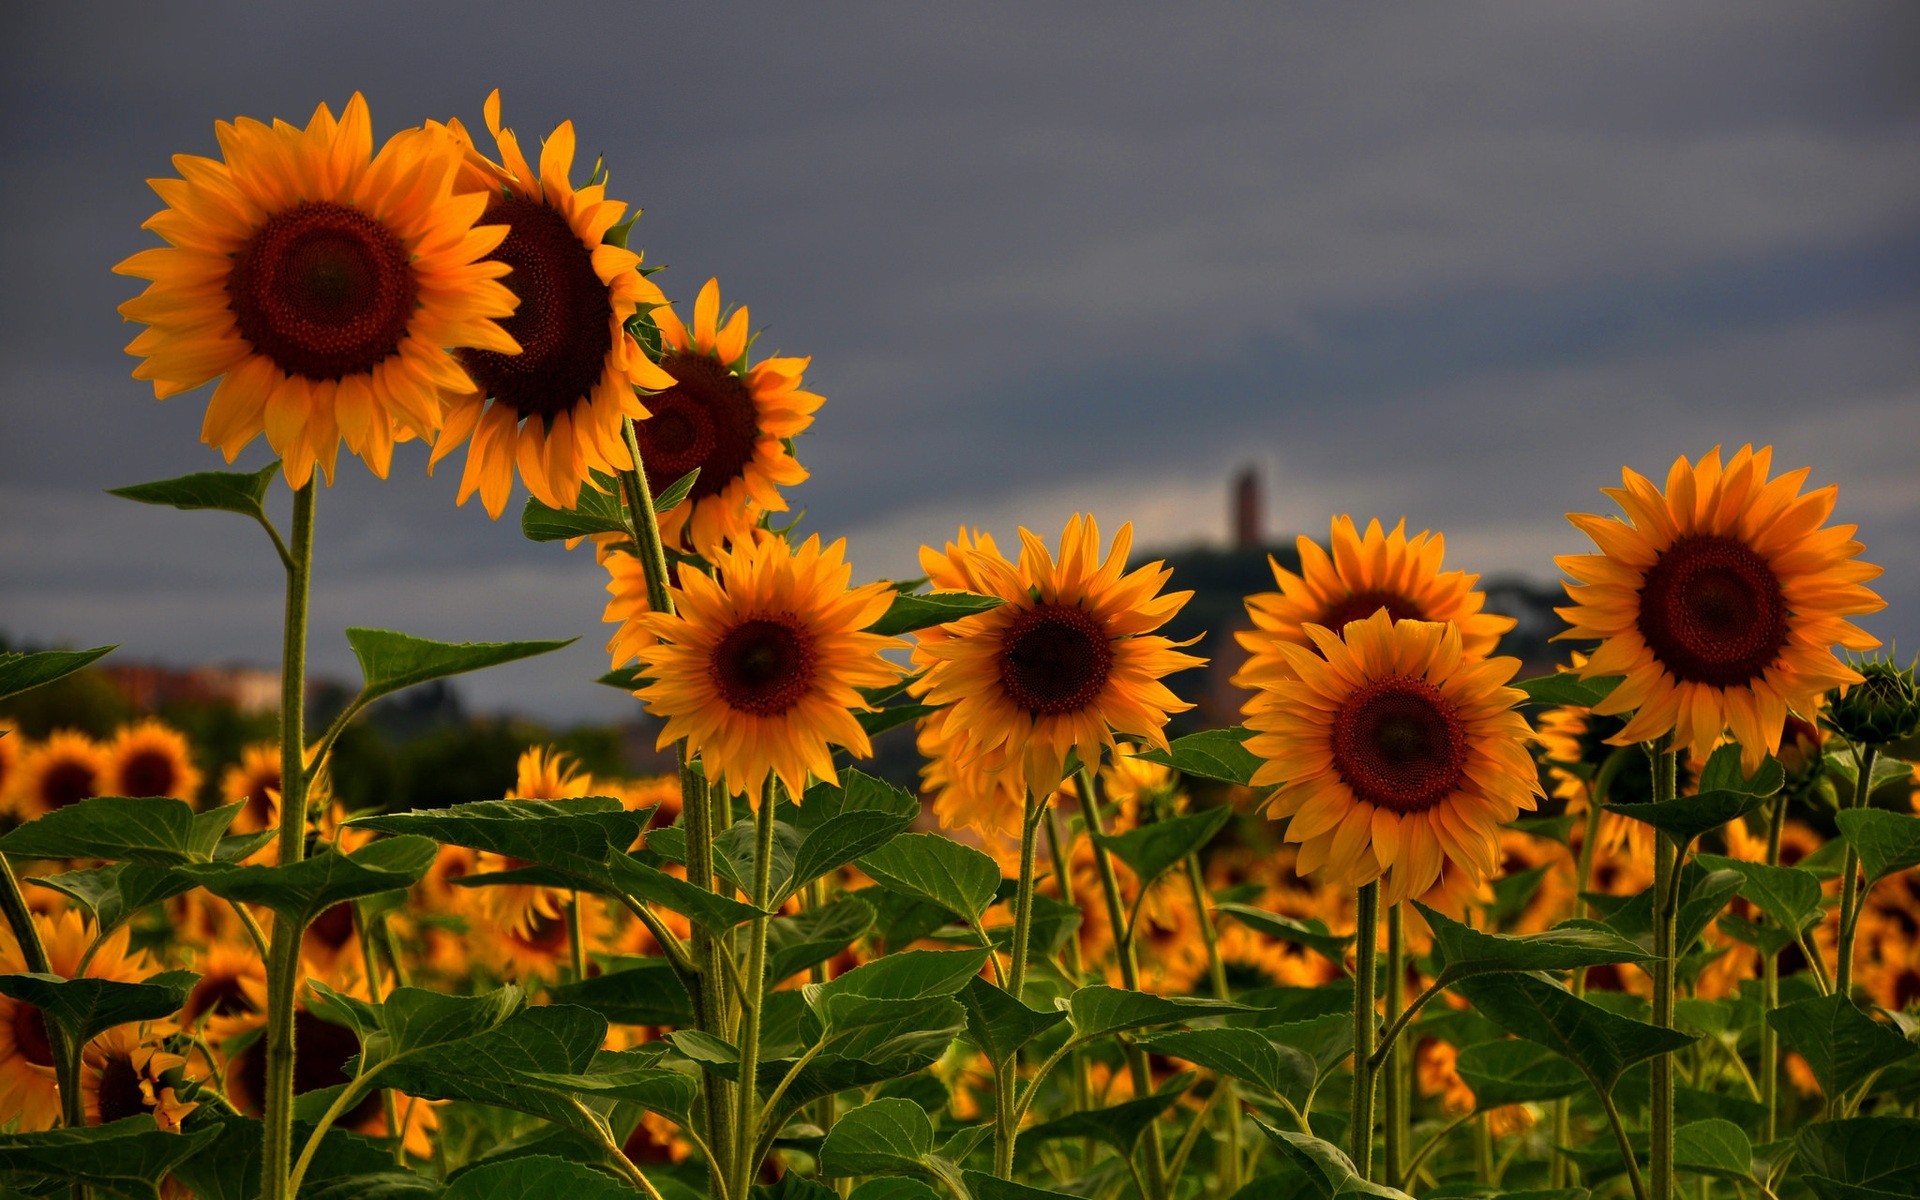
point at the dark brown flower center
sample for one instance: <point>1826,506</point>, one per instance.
<point>259,803</point>
<point>545,935</point>
<point>1361,605</point>
<point>68,781</point>
<point>149,773</point>
<point>120,1095</point>
<point>1398,744</point>
<point>321,1051</point>
<point>323,290</point>
<point>1713,612</point>
<point>763,666</point>
<point>563,323</point>
<point>217,995</point>
<point>30,1035</point>
<point>1054,658</point>
<point>332,928</point>
<point>705,420</point>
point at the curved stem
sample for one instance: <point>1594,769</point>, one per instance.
<point>1007,1071</point>
<point>621,1162</point>
<point>348,1097</point>
<point>1400,1023</point>
<point>1850,877</point>
<point>1626,1147</point>
<point>1365,946</point>
<point>753,995</point>
<point>1431,1144</point>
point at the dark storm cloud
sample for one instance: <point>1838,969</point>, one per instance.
<point>1456,262</point>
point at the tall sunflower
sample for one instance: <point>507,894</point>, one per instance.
<point>1363,573</point>
<point>555,408</point>
<point>1719,600</point>
<point>65,769</point>
<point>758,665</point>
<point>731,421</point>
<point>151,758</point>
<point>1395,753</point>
<point>321,283</point>
<point>1067,660</point>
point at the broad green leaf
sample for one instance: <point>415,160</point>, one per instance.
<point>831,1073</point>
<point>243,492</point>
<point>1309,932</point>
<point>1244,1054</point>
<point>1000,1024</point>
<point>1687,817</point>
<point>840,823</point>
<point>535,831</point>
<point>1713,1147</point>
<point>814,935</point>
<point>1328,1172</point>
<point>923,610</point>
<point>1566,687</point>
<point>626,679</point>
<point>391,661</point>
<point>598,511</point>
<point>709,910</point>
<point>85,1008</point>
<point>536,1177</point>
<point>886,1137</point>
<point>1867,1155</point>
<point>986,1187</point>
<point>868,1028</point>
<point>1279,1005</point>
<point>1601,1044</point>
<point>129,1156</point>
<point>1052,923</point>
<point>1516,1072</point>
<point>348,1012</point>
<point>228,1166</point>
<point>391,1184</point>
<point>734,850</point>
<point>1887,842</point>
<point>893,1187</point>
<point>928,866</point>
<point>1327,1040</point>
<point>22,672</point>
<point>1703,894</point>
<point>504,1067</point>
<point>1152,849</point>
<point>302,891</point>
<point>906,975</point>
<point>1099,1010</point>
<point>636,992</point>
<point>414,1019</point>
<point>1219,754</point>
<point>114,894</point>
<point>155,829</point>
<point>630,1075</point>
<point>1788,895</point>
<point>792,1187</point>
<point>1120,1125</point>
<point>1723,773</point>
<point>1465,952</point>
<point>676,492</point>
<point>877,722</point>
<point>1842,1045</point>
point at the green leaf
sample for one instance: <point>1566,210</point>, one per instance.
<point>928,866</point>
<point>228,1167</point>
<point>1219,754</point>
<point>598,511</point>
<point>986,1187</point>
<point>878,1029</point>
<point>155,829</point>
<point>907,975</point>
<point>511,1066</point>
<point>535,1177</point>
<point>1713,1147</point>
<point>1703,894</point>
<point>893,1187</point>
<point>1120,1126</point>
<point>1788,895</point>
<point>886,1137</point>
<point>1328,1172</point>
<point>1723,772</point>
<point>840,823</point>
<point>1152,849</point>
<point>626,679</point>
<point>1516,1072</point>
<point>1099,1010</point>
<point>676,492</point>
<point>709,910</point>
<point>910,610</point>
<point>1685,818</point>
<point>1327,1040</point>
<point>114,894</point>
<point>1598,1042</point>
<point>1567,688</point>
<point>1887,842</point>
<point>998,1023</point>
<point>1862,1156</point>
<point>84,1008</point>
<point>414,1019</point>
<point>243,492</point>
<point>1310,932</point>
<point>629,1075</point>
<point>1465,952</point>
<point>812,936</point>
<point>536,831</point>
<point>391,661</point>
<point>22,672</point>
<point>302,891</point>
<point>1842,1045</point>
<point>1244,1054</point>
<point>641,991</point>
<point>130,1156</point>
<point>877,722</point>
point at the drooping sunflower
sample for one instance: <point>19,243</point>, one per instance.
<point>151,758</point>
<point>1720,600</point>
<point>1395,752</point>
<point>65,769</point>
<point>1066,661</point>
<point>1364,573</point>
<point>555,408</point>
<point>27,1090</point>
<point>121,1076</point>
<point>730,421</point>
<point>758,666</point>
<point>323,285</point>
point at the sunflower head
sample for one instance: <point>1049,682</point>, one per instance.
<point>1396,754</point>
<point>545,773</point>
<point>759,666</point>
<point>1882,708</point>
<point>321,283</point>
<point>1719,600</point>
<point>554,401</point>
<point>65,769</point>
<point>151,759</point>
<point>255,782</point>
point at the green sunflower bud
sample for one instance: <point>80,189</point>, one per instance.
<point>1883,708</point>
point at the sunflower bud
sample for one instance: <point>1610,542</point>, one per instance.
<point>1883,707</point>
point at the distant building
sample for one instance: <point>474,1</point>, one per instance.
<point>149,686</point>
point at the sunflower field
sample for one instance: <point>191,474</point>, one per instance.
<point>1644,926</point>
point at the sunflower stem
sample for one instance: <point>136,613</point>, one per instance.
<point>1770,988</point>
<point>753,995</point>
<point>1217,973</point>
<point>1076,962</point>
<point>1365,969</point>
<point>1850,877</point>
<point>283,952</point>
<point>1560,1175</point>
<point>1666,874</point>
<point>1007,1073</point>
<point>576,938</point>
<point>1396,1097</point>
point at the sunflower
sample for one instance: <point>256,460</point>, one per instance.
<point>555,408</point>
<point>1365,573</point>
<point>1066,660</point>
<point>254,781</point>
<point>151,759</point>
<point>321,283</point>
<point>732,422</point>
<point>65,769</point>
<point>230,997</point>
<point>758,666</point>
<point>10,743</point>
<point>28,1094</point>
<point>542,773</point>
<point>1719,600</point>
<point>121,1075</point>
<point>1395,753</point>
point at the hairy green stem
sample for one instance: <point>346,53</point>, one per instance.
<point>1006,1129</point>
<point>1666,888</point>
<point>1850,877</point>
<point>1770,989</point>
<point>753,995</point>
<point>1396,1093</point>
<point>1560,1173</point>
<point>1230,1178</point>
<point>1365,1022</point>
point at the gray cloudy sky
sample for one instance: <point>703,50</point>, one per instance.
<point>1460,262</point>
